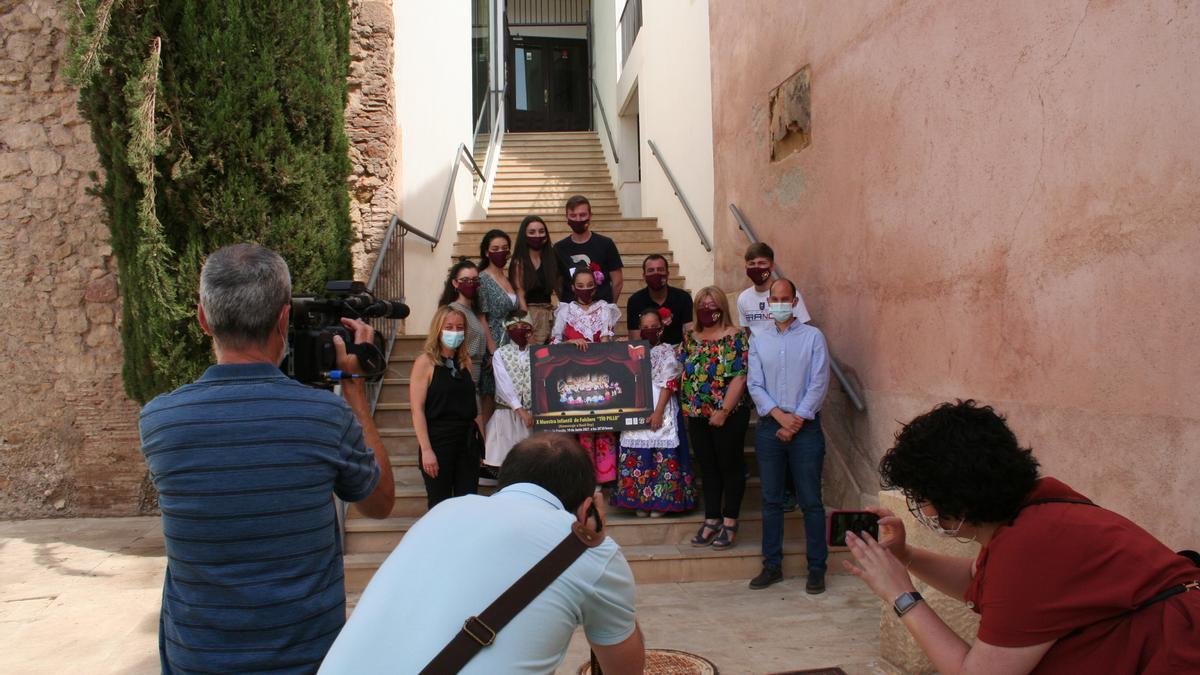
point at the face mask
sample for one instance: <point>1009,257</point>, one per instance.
<point>656,281</point>
<point>536,242</point>
<point>758,275</point>
<point>468,287</point>
<point>519,335</point>
<point>652,335</point>
<point>709,317</point>
<point>578,226</point>
<point>498,258</point>
<point>782,311</point>
<point>453,339</point>
<point>584,295</point>
<point>932,522</point>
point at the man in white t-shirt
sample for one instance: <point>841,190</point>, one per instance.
<point>467,551</point>
<point>752,303</point>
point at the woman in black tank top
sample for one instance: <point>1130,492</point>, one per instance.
<point>442,396</point>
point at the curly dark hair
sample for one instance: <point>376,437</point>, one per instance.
<point>964,460</point>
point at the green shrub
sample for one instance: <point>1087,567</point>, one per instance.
<point>216,121</point>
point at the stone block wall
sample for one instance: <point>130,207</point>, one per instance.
<point>68,435</point>
<point>371,128</point>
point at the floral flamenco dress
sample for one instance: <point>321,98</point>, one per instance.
<point>573,321</point>
<point>654,471</point>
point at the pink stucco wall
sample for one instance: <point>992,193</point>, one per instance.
<point>1001,201</point>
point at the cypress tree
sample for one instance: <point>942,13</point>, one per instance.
<point>216,121</point>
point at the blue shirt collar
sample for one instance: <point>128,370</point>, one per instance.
<point>796,325</point>
<point>533,490</point>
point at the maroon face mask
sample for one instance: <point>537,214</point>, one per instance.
<point>468,287</point>
<point>758,275</point>
<point>519,335</point>
<point>536,241</point>
<point>578,226</point>
<point>584,295</point>
<point>498,258</point>
<point>652,335</point>
<point>708,317</point>
<point>656,281</point>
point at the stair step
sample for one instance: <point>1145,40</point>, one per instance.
<point>632,252</point>
<point>655,564</point>
<point>549,135</point>
<point>393,414</point>
<point>365,535</point>
<point>395,390</point>
<point>537,199</point>
<point>603,224</point>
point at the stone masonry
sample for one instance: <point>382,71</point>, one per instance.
<point>68,435</point>
<point>371,128</point>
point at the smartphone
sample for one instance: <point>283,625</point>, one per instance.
<point>594,514</point>
<point>841,522</point>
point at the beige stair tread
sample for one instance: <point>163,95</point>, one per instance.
<point>744,548</point>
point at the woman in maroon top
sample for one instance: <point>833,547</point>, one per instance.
<point>1061,585</point>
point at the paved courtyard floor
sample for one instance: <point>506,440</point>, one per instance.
<point>82,596</point>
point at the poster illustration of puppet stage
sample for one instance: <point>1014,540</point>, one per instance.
<point>606,388</point>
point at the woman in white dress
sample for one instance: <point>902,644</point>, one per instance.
<point>653,476</point>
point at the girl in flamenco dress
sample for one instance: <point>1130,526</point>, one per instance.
<point>582,322</point>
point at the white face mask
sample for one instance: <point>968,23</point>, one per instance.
<point>781,311</point>
<point>453,339</point>
<point>932,522</point>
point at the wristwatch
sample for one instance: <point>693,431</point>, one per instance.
<point>906,601</point>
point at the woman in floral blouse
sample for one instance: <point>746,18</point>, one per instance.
<point>714,359</point>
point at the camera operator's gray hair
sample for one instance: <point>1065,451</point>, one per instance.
<point>242,289</point>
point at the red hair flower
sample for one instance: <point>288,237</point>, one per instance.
<point>664,313</point>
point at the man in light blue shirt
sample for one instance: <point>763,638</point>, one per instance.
<point>465,552</point>
<point>788,379</point>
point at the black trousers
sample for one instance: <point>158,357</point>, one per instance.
<point>720,452</point>
<point>458,462</point>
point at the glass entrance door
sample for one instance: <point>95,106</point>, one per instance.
<point>548,87</point>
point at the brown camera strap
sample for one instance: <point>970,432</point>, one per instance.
<point>480,631</point>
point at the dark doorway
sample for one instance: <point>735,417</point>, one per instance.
<point>548,84</point>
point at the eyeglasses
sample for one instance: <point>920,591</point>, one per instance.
<point>917,509</point>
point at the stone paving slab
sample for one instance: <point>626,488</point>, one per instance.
<point>776,629</point>
<point>82,596</point>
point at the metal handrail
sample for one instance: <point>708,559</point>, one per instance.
<point>604,117</point>
<point>465,154</point>
<point>682,199</point>
<point>851,393</point>
<point>459,155</point>
<point>386,280</point>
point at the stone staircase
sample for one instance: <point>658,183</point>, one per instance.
<point>537,172</point>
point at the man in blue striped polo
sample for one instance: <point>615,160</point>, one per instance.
<point>246,462</point>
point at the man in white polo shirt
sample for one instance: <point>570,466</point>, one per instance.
<point>753,312</point>
<point>465,552</point>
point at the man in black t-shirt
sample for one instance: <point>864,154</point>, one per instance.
<point>656,295</point>
<point>584,249</point>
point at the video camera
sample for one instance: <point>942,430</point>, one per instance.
<point>316,320</point>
